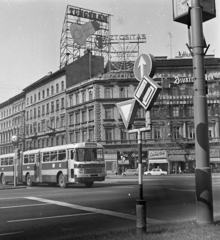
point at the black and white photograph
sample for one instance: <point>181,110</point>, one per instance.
<point>109,119</point>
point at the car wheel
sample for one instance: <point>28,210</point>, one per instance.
<point>135,174</point>
<point>148,174</point>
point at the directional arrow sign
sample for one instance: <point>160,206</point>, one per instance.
<point>146,92</point>
<point>145,65</point>
<point>128,110</point>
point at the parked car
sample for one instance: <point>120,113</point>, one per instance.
<point>155,172</point>
<point>130,172</point>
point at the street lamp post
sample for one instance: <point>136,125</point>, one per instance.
<point>204,200</point>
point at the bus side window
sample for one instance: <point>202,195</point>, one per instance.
<point>10,161</point>
<point>25,158</point>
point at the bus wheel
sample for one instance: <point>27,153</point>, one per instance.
<point>89,184</point>
<point>28,181</point>
<point>62,181</point>
<point>3,181</point>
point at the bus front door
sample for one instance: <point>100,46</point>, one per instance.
<point>71,166</point>
<point>38,168</point>
<point>20,167</point>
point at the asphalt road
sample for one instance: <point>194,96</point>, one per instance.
<point>44,212</point>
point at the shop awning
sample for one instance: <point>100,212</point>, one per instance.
<point>126,162</point>
<point>157,161</point>
<point>215,160</point>
<point>177,158</point>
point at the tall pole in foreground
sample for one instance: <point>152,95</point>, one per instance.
<point>203,180</point>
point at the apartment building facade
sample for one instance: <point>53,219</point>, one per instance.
<point>78,103</point>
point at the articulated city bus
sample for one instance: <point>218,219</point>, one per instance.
<point>71,163</point>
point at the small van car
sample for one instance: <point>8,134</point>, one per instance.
<point>130,172</point>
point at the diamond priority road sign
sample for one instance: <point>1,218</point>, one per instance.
<point>147,92</point>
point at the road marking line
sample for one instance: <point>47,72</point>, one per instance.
<point>52,217</point>
<point>185,190</point>
<point>90,209</point>
<point>5,234</point>
<point>32,205</point>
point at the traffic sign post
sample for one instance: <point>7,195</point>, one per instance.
<point>145,95</point>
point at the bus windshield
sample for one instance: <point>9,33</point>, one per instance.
<point>89,154</point>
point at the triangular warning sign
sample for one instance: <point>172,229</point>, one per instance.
<point>128,110</point>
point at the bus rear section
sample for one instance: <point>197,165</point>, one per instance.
<point>7,168</point>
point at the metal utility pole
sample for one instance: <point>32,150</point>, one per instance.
<point>203,175</point>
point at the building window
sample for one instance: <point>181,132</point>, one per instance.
<point>71,137</point>
<point>77,98</point>
<point>77,137</point>
<point>38,111</point>
<point>84,135</point>
<point>27,104</point>
<point>57,141</point>
<point>38,127</point>
<point>71,119</point>
<point>48,92</point>
<point>83,116</point>
<point>57,104</point>
<point>43,110</point>
<point>107,92</point>
<point>140,113</point>
<point>90,94</point>
<point>57,87</point>
<point>62,86</point>
<point>71,100</point>
<point>31,99</point>
<point>35,113</point>
<point>91,135</point>
<point>52,123</point>
<point>35,97</point>
<point>109,113</point>
<point>189,110</point>
<point>123,134</point>
<point>62,122</point>
<point>52,106</point>
<point>91,114</point>
<point>83,96</point>
<point>191,132</point>
<point>43,126</point>
<point>62,103</point>
<point>35,127</point>
<point>157,133</point>
<point>108,134</point>
<point>77,118</point>
<point>48,108</point>
<point>27,115</point>
<point>57,122</point>
<point>39,96</point>
<point>122,92</point>
<point>43,94</point>
<point>31,114</point>
<point>52,90</point>
<point>175,111</point>
<point>176,132</point>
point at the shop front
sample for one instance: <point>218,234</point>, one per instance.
<point>158,159</point>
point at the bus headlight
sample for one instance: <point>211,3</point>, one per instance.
<point>81,170</point>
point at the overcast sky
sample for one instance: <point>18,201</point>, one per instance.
<point>30,32</point>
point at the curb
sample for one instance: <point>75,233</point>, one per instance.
<point>12,187</point>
